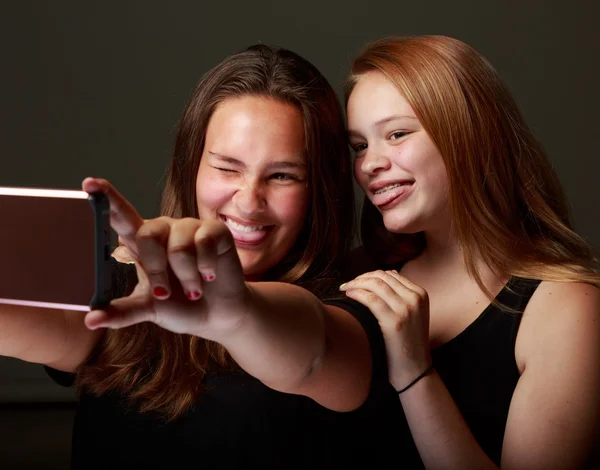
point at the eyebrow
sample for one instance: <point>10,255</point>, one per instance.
<point>273,165</point>
<point>384,121</point>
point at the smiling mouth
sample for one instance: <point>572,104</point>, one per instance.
<point>388,188</point>
<point>247,235</point>
<point>390,195</point>
<point>241,227</point>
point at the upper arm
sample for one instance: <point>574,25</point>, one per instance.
<point>555,410</point>
<point>57,338</point>
<point>341,382</point>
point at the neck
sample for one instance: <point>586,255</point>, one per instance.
<point>441,249</point>
<point>443,258</point>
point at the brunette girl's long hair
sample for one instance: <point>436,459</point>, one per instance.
<point>156,370</point>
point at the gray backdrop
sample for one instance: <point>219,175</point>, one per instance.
<point>95,88</point>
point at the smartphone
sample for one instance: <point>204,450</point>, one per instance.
<point>55,248</point>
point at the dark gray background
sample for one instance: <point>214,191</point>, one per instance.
<point>95,88</point>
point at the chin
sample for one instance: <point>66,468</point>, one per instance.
<point>400,225</point>
<point>404,229</point>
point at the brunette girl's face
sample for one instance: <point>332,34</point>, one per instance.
<point>253,176</point>
<point>396,163</point>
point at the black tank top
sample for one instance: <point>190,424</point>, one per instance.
<point>479,367</point>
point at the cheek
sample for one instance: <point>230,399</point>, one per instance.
<point>434,166</point>
<point>291,206</point>
<point>423,158</point>
<point>210,195</point>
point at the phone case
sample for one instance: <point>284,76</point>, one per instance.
<point>103,292</point>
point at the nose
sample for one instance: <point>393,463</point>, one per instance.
<point>250,198</point>
<point>374,162</point>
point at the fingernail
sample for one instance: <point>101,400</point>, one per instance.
<point>208,277</point>
<point>343,286</point>
<point>193,295</point>
<point>160,292</point>
<point>93,186</point>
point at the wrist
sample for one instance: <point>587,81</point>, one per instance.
<point>227,318</point>
<point>404,373</point>
<point>414,381</point>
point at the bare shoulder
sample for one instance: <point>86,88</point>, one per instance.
<point>555,412</point>
<point>564,300</point>
<point>559,314</point>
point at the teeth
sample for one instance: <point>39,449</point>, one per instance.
<point>387,188</point>
<point>243,228</point>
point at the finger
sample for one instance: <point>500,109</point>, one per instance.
<point>181,253</point>
<point>213,240</point>
<point>378,281</point>
<point>413,295</point>
<point>369,274</point>
<point>121,313</point>
<point>206,240</point>
<point>408,283</point>
<point>406,297</point>
<point>152,239</point>
<point>403,301</point>
<point>377,305</point>
<point>124,219</point>
<point>226,268</point>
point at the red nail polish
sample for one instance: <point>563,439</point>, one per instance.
<point>193,295</point>
<point>160,291</point>
<point>209,277</point>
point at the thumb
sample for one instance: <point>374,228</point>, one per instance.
<point>121,313</point>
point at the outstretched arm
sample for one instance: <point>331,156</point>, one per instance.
<point>191,281</point>
<point>294,343</point>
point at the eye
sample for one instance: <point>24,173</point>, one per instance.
<point>284,177</point>
<point>357,148</point>
<point>225,170</point>
<point>397,135</point>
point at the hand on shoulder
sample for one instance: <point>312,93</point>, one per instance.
<point>402,310</point>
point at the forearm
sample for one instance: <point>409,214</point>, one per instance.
<point>442,437</point>
<point>281,340</point>
<point>22,329</point>
<point>45,336</point>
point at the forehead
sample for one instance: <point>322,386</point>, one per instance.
<point>251,127</point>
<point>375,97</point>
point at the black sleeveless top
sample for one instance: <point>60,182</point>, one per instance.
<point>479,367</point>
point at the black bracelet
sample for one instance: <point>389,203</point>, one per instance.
<point>427,371</point>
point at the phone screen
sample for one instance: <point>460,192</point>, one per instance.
<point>54,248</point>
